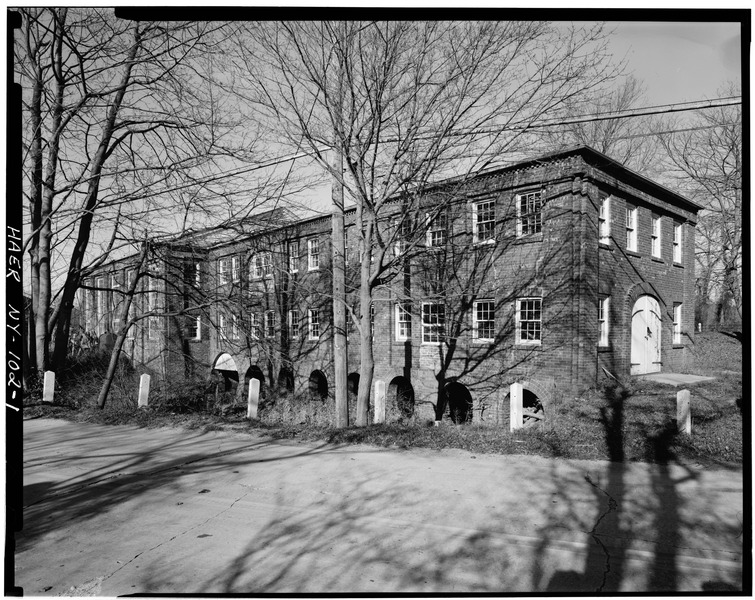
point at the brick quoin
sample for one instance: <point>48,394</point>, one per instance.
<point>558,263</point>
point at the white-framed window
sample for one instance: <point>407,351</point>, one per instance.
<point>269,324</point>
<point>222,271</point>
<point>222,327</point>
<point>403,321</point>
<point>197,274</point>
<point>403,235</point>
<point>254,326</point>
<point>678,243</point>
<point>483,222</point>
<point>130,274</point>
<point>604,220</point>
<point>293,257</point>
<point>235,269</point>
<point>603,314</point>
<point>261,265</point>
<point>433,322</point>
<point>677,323</point>
<point>631,228</point>
<point>293,324</point>
<point>483,320</point>
<point>234,327</point>
<point>437,229</point>
<point>195,327</point>
<point>313,254</point>
<point>313,319</point>
<point>529,328</point>
<point>529,213</point>
<point>99,295</point>
<point>153,320</point>
<point>655,237</point>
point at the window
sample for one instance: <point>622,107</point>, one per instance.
<point>223,271</point>
<point>313,254</point>
<point>603,312</point>
<point>293,324</point>
<point>677,323</point>
<point>235,271</point>
<point>631,227</point>
<point>403,235</point>
<point>197,274</point>
<point>433,322</point>
<point>655,237</point>
<point>483,222</point>
<point>678,243</point>
<point>293,257</point>
<point>195,327</point>
<point>528,320</point>
<point>130,274</point>
<point>529,213</point>
<point>604,220</point>
<point>152,321</point>
<point>269,324</point>
<point>483,321</point>
<point>222,327</point>
<point>254,326</point>
<point>314,324</point>
<point>261,265</point>
<point>436,230</point>
<point>234,327</point>
<point>403,321</point>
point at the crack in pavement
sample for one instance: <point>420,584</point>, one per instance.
<point>612,506</point>
<point>197,526</point>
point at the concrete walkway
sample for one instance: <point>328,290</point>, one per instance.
<point>676,379</point>
<point>120,510</point>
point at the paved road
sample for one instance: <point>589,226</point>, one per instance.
<point>119,510</point>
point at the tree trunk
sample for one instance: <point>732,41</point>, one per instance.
<point>73,280</point>
<point>366,357</point>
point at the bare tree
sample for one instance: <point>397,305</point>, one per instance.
<point>707,163</point>
<point>406,103</point>
<point>627,140</point>
<point>118,125</point>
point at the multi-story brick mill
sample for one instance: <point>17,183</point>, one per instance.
<point>549,273</point>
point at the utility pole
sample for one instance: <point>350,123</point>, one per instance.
<point>339,273</point>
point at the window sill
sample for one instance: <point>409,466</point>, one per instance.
<point>607,348</point>
<point>482,342</point>
<point>529,239</point>
<point>528,346</point>
<point>605,246</point>
<point>633,253</point>
<point>658,260</point>
<point>678,346</point>
<point>678,265</point>
<point>484,243</point>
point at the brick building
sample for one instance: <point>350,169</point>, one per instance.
<point>548,273</point>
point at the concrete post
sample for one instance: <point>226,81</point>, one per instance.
<point>683,412</point>
<point>49,386</point>
<point>253,398</point>
<point>144,390</point>
<point>379,402</point>
<point>516,396</point>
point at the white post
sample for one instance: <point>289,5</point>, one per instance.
<point>144,390</point>
<point>683,412</point>
<point>379,402</point>
<point>49,387</point>
<point>253,398</point>
<point>516,395</point>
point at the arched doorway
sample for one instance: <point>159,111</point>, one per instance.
<point>645,354</point>
<point>318,385</point>
<point>459,402</point>
<point>286,380</point>
<point>254,372</point>
<point>401,395</point>
<point>225,366</point>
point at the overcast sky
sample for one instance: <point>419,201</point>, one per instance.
<point>679,62</point>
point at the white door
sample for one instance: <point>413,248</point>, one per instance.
<point>646,336</point>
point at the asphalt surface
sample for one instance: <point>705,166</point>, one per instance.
<point>121,510</point>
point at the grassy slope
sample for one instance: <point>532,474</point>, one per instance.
<point>633,422</point>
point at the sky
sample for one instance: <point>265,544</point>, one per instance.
<point>679,62</point>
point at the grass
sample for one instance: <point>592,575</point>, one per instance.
<point>633,422</point>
